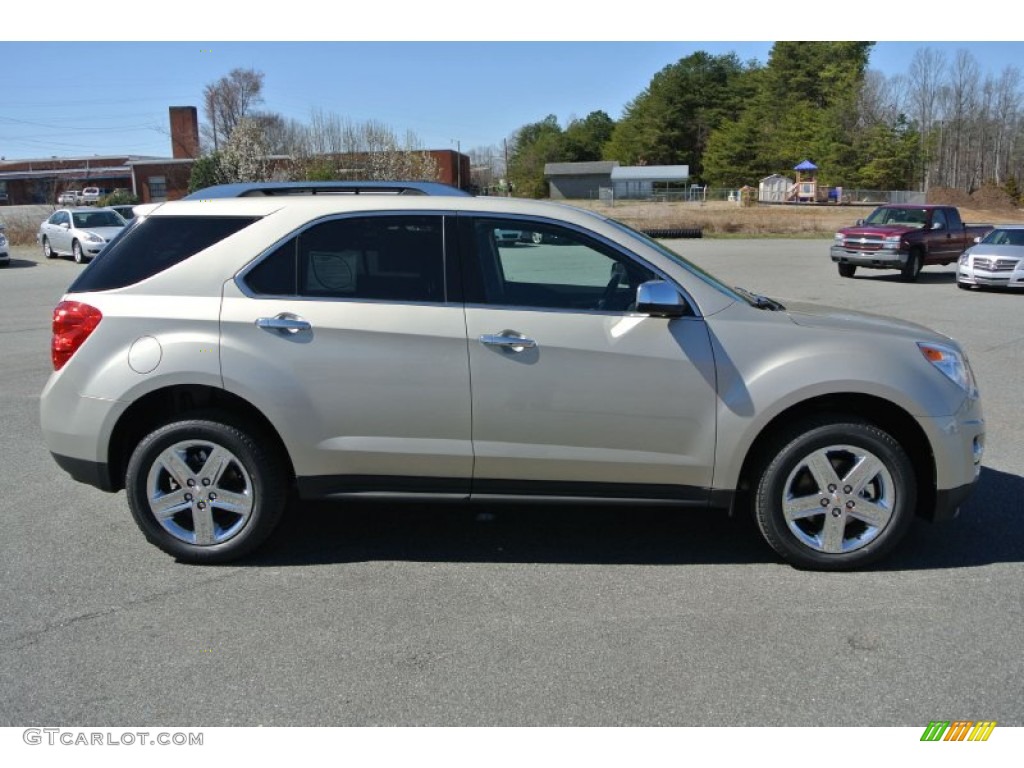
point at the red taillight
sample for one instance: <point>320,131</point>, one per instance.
<point>72,324</point>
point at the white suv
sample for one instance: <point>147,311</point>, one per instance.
<point>221,354</point>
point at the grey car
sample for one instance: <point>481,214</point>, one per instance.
<point>5,254</point>
<point>226,356</point>
<point>81,233</point>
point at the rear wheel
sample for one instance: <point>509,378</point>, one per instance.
<point>205,491</point>
<point>835,493</point>
<point>847,270</point>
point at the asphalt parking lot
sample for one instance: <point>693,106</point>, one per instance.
<point>436,615</point>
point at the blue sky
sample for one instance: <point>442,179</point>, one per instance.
<point>112,96</point>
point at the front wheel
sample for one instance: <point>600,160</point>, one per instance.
<point>912,268</point>
<point>847,270</point>
<point>836,493</point>
<point>48,251</point>
<point>204,491</point>
<point>76,252</point>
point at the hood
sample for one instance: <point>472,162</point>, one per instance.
<point>107,233</point>
<point>878,230</point>
<point>835,319</point>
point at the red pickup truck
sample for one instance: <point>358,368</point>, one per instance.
<point>904,237</point>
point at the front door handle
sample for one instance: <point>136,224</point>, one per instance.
<point>509,341</point>
<point>285,323</point>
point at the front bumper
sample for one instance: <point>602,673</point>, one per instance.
<point>968,275</point>
<point>883,258</point>
<point>958,445</point>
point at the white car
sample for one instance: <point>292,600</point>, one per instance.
<point>90,195</point>
<point>70,197</point>
<point>996,260</point>
<point>79,232</point>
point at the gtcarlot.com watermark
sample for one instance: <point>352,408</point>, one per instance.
<point>73,737</point>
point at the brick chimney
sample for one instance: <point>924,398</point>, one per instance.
<point>184,132</point>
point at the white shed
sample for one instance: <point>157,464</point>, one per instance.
<point>774,188</point>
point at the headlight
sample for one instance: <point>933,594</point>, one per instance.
<point>892,241</point>
<point>952,362</point>
<point>839,238</point>
<point>92,237</point>
<point>965,258</point>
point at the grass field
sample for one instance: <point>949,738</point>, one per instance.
<point>722,219</point>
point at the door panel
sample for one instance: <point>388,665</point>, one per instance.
<point>601,398</point>
<point>344,338</point>
<point>595,396</point>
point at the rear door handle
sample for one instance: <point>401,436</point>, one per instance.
<point>285,323</point>
<point>510,341</point>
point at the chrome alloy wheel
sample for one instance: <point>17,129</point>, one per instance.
<point>838,499</point>
<point>199,492</point>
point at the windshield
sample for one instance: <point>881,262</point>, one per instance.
<point>707,277</point>
<point>1005,237</point>
<point>95,219</point>
<point>904,217</point>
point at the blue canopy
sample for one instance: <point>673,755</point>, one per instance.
<point>806,165</point>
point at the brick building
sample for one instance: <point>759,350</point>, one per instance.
<point>152,179</point>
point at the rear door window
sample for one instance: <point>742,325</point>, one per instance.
<point>389,258</point>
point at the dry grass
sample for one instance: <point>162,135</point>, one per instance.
<point>722,219</point>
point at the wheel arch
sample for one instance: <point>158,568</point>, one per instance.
<point>173,403</point>
<point>875,410</point>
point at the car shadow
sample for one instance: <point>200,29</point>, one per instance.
<point>20,263</point>
<point>928,278</point>
<point>988,530</point>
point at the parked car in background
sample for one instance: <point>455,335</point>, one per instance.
<point>904,237</point>
<point>91,195</point>
<point>70,197</point>
<point>5,254</point>
<point>223,356</point>
<point>996,260</point>
<point>78,232</point>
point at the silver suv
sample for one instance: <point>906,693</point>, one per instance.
<point>222,355</point>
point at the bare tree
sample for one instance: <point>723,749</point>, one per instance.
<point>332,147</point>
<point>924,85</point>
<point>230,99</point>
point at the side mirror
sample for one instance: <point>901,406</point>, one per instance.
<point>660,299</point>
<point>65,225</point>
<point>938,225</point>
<point>859,223</point>
<point>977,239</point>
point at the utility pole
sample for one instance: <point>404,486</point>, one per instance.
<point>458,161</point>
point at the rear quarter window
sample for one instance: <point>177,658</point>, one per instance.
<point>151,245</point>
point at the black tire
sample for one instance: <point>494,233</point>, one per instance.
<point>76,252</point>
<point>963,286</point>
<point>48,251</point>
<point>839,526</point>
<point>912,268</point>
<point>206,522</point>
<point>847,270</point>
